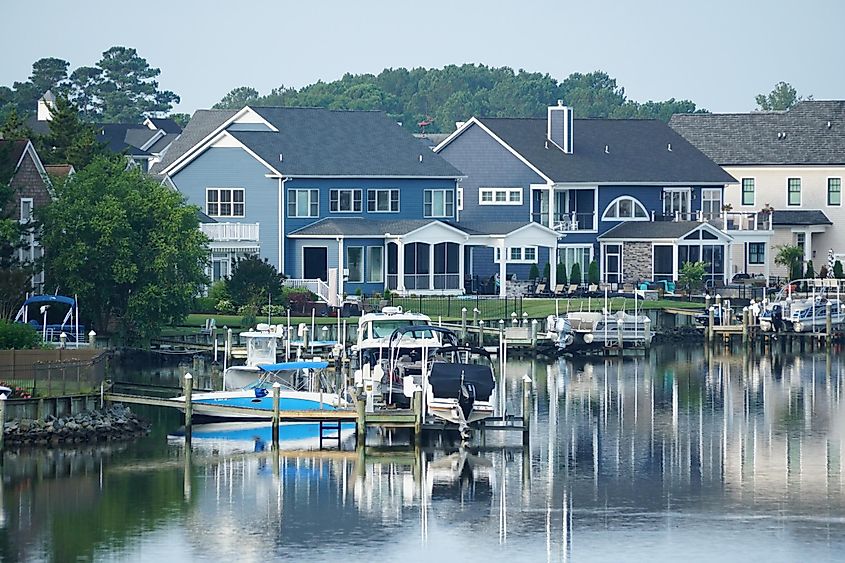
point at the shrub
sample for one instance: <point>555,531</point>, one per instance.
<point>823,272</point>
<point>225,307</point>
<point>387,294</point>
<point>205,305</point>
<point>838,271</point>
<point>18,336</point>
<point>547,271</point>
<point>560,272</point>
<point>248,314</point>
<point>575,276</point>
<point>593,272</point>
<point>252,280</point>
<point>811,273</point>
<point>218,291</point>
<point>359,292</point>
<point>534,272</point>
<point>273,310</point>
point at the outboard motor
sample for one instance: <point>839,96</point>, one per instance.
<point>466,399</point>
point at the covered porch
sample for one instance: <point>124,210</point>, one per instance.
<point>565,208</point>
<point>228,243</point>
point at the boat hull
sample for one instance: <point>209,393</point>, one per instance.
<point>203,404</point>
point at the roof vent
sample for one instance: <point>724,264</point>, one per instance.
<point>829,124</point>
<point>420,158</point>
<point>607,149</point>
<point>281,157</point>
<point>669,147</point>
<point>560,103</point>
<point>547,145</point>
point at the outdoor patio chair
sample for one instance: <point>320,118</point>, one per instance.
<point>573,290</point>
<point>540,290</point>
<point>560,289</point>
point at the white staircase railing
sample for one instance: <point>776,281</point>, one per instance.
<point>316,286</point>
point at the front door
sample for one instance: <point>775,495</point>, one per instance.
<point>315,263</point>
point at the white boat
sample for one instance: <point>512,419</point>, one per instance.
<point>261,346</point>
<point>369,355</point>
<point>559,331</point>
<point>801,305</point>
<point>236,437</point>
<point>594,329</point>
<point>300,382</point>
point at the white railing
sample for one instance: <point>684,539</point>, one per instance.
<point>746,221</point>
<point>224,232</point>
<point>316,286</point>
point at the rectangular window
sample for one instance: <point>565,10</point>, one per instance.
<point>439,203</point>
<point>748,191</point>
<point>793,196</point>
<point>383,201</point>
<point>224,202</point>
<point>530,254</point>
<point>355,263</point>
<point>26,209</point>
<point>676,201</point>
<point>303,203</point>
<point>375,264</point>
<point>756,252</point>
<point>345,201</point>
<point>518,255</point>
<point>834,191</point>
<point>500,196</point>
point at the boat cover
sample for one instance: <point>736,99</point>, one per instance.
<point>445,379</point>
<point>293,365</point>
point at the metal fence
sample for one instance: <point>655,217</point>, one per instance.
<point>488,307</point>
<point>53,378</point>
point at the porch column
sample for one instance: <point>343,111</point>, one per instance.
<point>675,265</point>
<point>808,246</point>
<point>340,261</point>
<point>553,266</point>
<point>767,260</point>
<point>503,268</point>
<point>552,206</point>
<point>461,249</point>
<point>400,267</point>
<point>431,267</point>
<point>729,262</point>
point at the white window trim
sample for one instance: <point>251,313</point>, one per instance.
<point>827,191</point>
<point>231,201</point>
<point>494,191</point>
<point>673,190</point>
<point>604,216</point>
<point>309,190</point>
<point>522,253</point>
<point>383,265</point>
<point>800,191</point>
<point>348,262</point>
<point>754,202</point>
<point>460,202</point>
<point>433,214</point>
<point>351,200</point>
<point>376,190</point>
<point>31,209</point>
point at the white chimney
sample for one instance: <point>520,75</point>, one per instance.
<point>559,126</point>
<point>46,103</point>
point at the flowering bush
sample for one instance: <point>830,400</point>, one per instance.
<point>225,307</point>
<point>17,392</point>
<point>274,310</point>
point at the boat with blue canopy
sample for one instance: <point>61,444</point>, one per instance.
<point>52,316</point>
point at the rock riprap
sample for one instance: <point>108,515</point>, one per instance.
<point>117,422</point>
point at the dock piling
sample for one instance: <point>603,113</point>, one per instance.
<point>418,416</point>
<point>828,323</point>
<point>526,408</point>
<point>620,341</point>
<point>360,421</point>
<point>745,315</point>
<point>464,324</point>
<point>533,333</point>
<point>277,387</point>
<point>2,421</point>
<point>189,389</point>
<point>711,333</point>
<point>481,333</point>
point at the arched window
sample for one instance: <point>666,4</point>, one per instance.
<point>625,208</point>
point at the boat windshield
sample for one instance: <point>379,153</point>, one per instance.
<point>261,350</point>
<point>383,329</point>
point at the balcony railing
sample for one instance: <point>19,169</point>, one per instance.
<point>226,232</point>
<point>745,221</point>
<point>567,222</point>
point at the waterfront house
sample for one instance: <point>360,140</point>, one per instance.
<point>632,194</point>
<point>788,166</point>
<point>340,201</point>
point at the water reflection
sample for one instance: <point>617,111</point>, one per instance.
<point>680,454</point>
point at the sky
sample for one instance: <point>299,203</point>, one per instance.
<point>717,53</point>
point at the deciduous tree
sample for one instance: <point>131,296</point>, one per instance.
<point>782,97</point>
<point>253,281</point>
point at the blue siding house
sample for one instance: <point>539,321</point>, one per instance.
<point>590,181</point>
<point>340,201</point>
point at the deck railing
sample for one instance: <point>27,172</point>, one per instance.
<point>224,232</point>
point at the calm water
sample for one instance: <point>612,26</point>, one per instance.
<point>678,455</point>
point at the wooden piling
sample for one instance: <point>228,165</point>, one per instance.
<point>277,387</point>
<point>711,333</point>
<point>745,315</point>
<point>533,333</point>
<point>481,333</point>
<point>189,407</point>
<point>620,341</point>
<point>828,323</point>
<point>418,416</point>
<point>463,324</point>
<point>360,421</point>
<point>2,421</point>
<point>526,408</point>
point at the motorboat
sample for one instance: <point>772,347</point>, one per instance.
<point>302,387</point>
<point>261,346</point>
<point>559,331</point>
<point>456,381</point>
<point>369,354</point>
<point>53,316</point>
<point>244,436</point>
<point>801,305</point>
<point>600,329</point>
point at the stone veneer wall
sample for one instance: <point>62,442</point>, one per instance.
<point>636,261</point>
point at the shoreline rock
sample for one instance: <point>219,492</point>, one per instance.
<point>117,422</point>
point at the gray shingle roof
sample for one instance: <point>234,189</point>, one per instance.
<point>799,217</point>
<point>814,134</point>
<point>637,152</point>
<point>648,230</point>
<point>203,122</point>
<point>163,142</point>
<point>358,226</point>
<point>138,136</point>
<point>321,142</point>
<point>167,124</point>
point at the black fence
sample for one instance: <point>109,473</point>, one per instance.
<point>485,307</point>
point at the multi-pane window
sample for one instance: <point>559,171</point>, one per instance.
<point>625,208</point>
<point>375,264</point>
<point>518,255</point>
<point>303,203</point>
<point>439,203</point>
<point>355,263</point>
<point>344,201</point>
<point>383,201</point>
<point>500,196</point>
<point>224,202</point>
<point>756,252</point>
<point>748,191</point>
<point>793,189</point>
<point>834,191</point>
<point>26,209</point>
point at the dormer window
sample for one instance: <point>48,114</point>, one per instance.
<point>625,208</point>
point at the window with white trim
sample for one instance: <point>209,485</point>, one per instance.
<point>303,203</point>
<point>834,191</point>
<point>26,209</point>
<point>793,191</point>
<point>224,202</point>
<point>383,201</point>
<point>355,263</point>
<point>500,196</point>
<point>748,191</point>
<point>345,201</point>
<point>517,255</point>
<point>625,208</point>
<point>438,203</point>
<point>375,264</point>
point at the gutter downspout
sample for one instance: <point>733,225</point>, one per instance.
<point>281,257</point>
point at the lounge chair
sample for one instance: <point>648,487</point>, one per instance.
<point>593,289</point>
<point>560,289</point>
<point>540,290</point>
<point>573,290</point>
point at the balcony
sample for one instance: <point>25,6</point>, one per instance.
<point>230,232</point>
<point>567,222</point>
<point>730,221</point>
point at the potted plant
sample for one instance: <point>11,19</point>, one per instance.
<point>766,215</point>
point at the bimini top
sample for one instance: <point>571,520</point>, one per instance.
<point>50,299</point>
<point>287,366</point>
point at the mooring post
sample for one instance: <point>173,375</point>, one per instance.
<point>189,407</point>
<point>620,341</point>
<point>514,320</point>
<point>745,314</point>
<point>63,340</point>
<point>526,408</point>
<point>214,340</point>
<point>277,388</point>
<point>418,416</point>
<point>828,323</point>
<point>481,333</point>
<point>533,333</point>
<point>361,421</point>
<point>711,330</point>
<point>92,339</point>
<point>525,318</point>
<point>475,312</point>
<point>501,332</point>
<point>463,324</point>
<point>2,422</point>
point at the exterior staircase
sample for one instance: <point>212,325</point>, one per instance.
<point>318,287</point>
